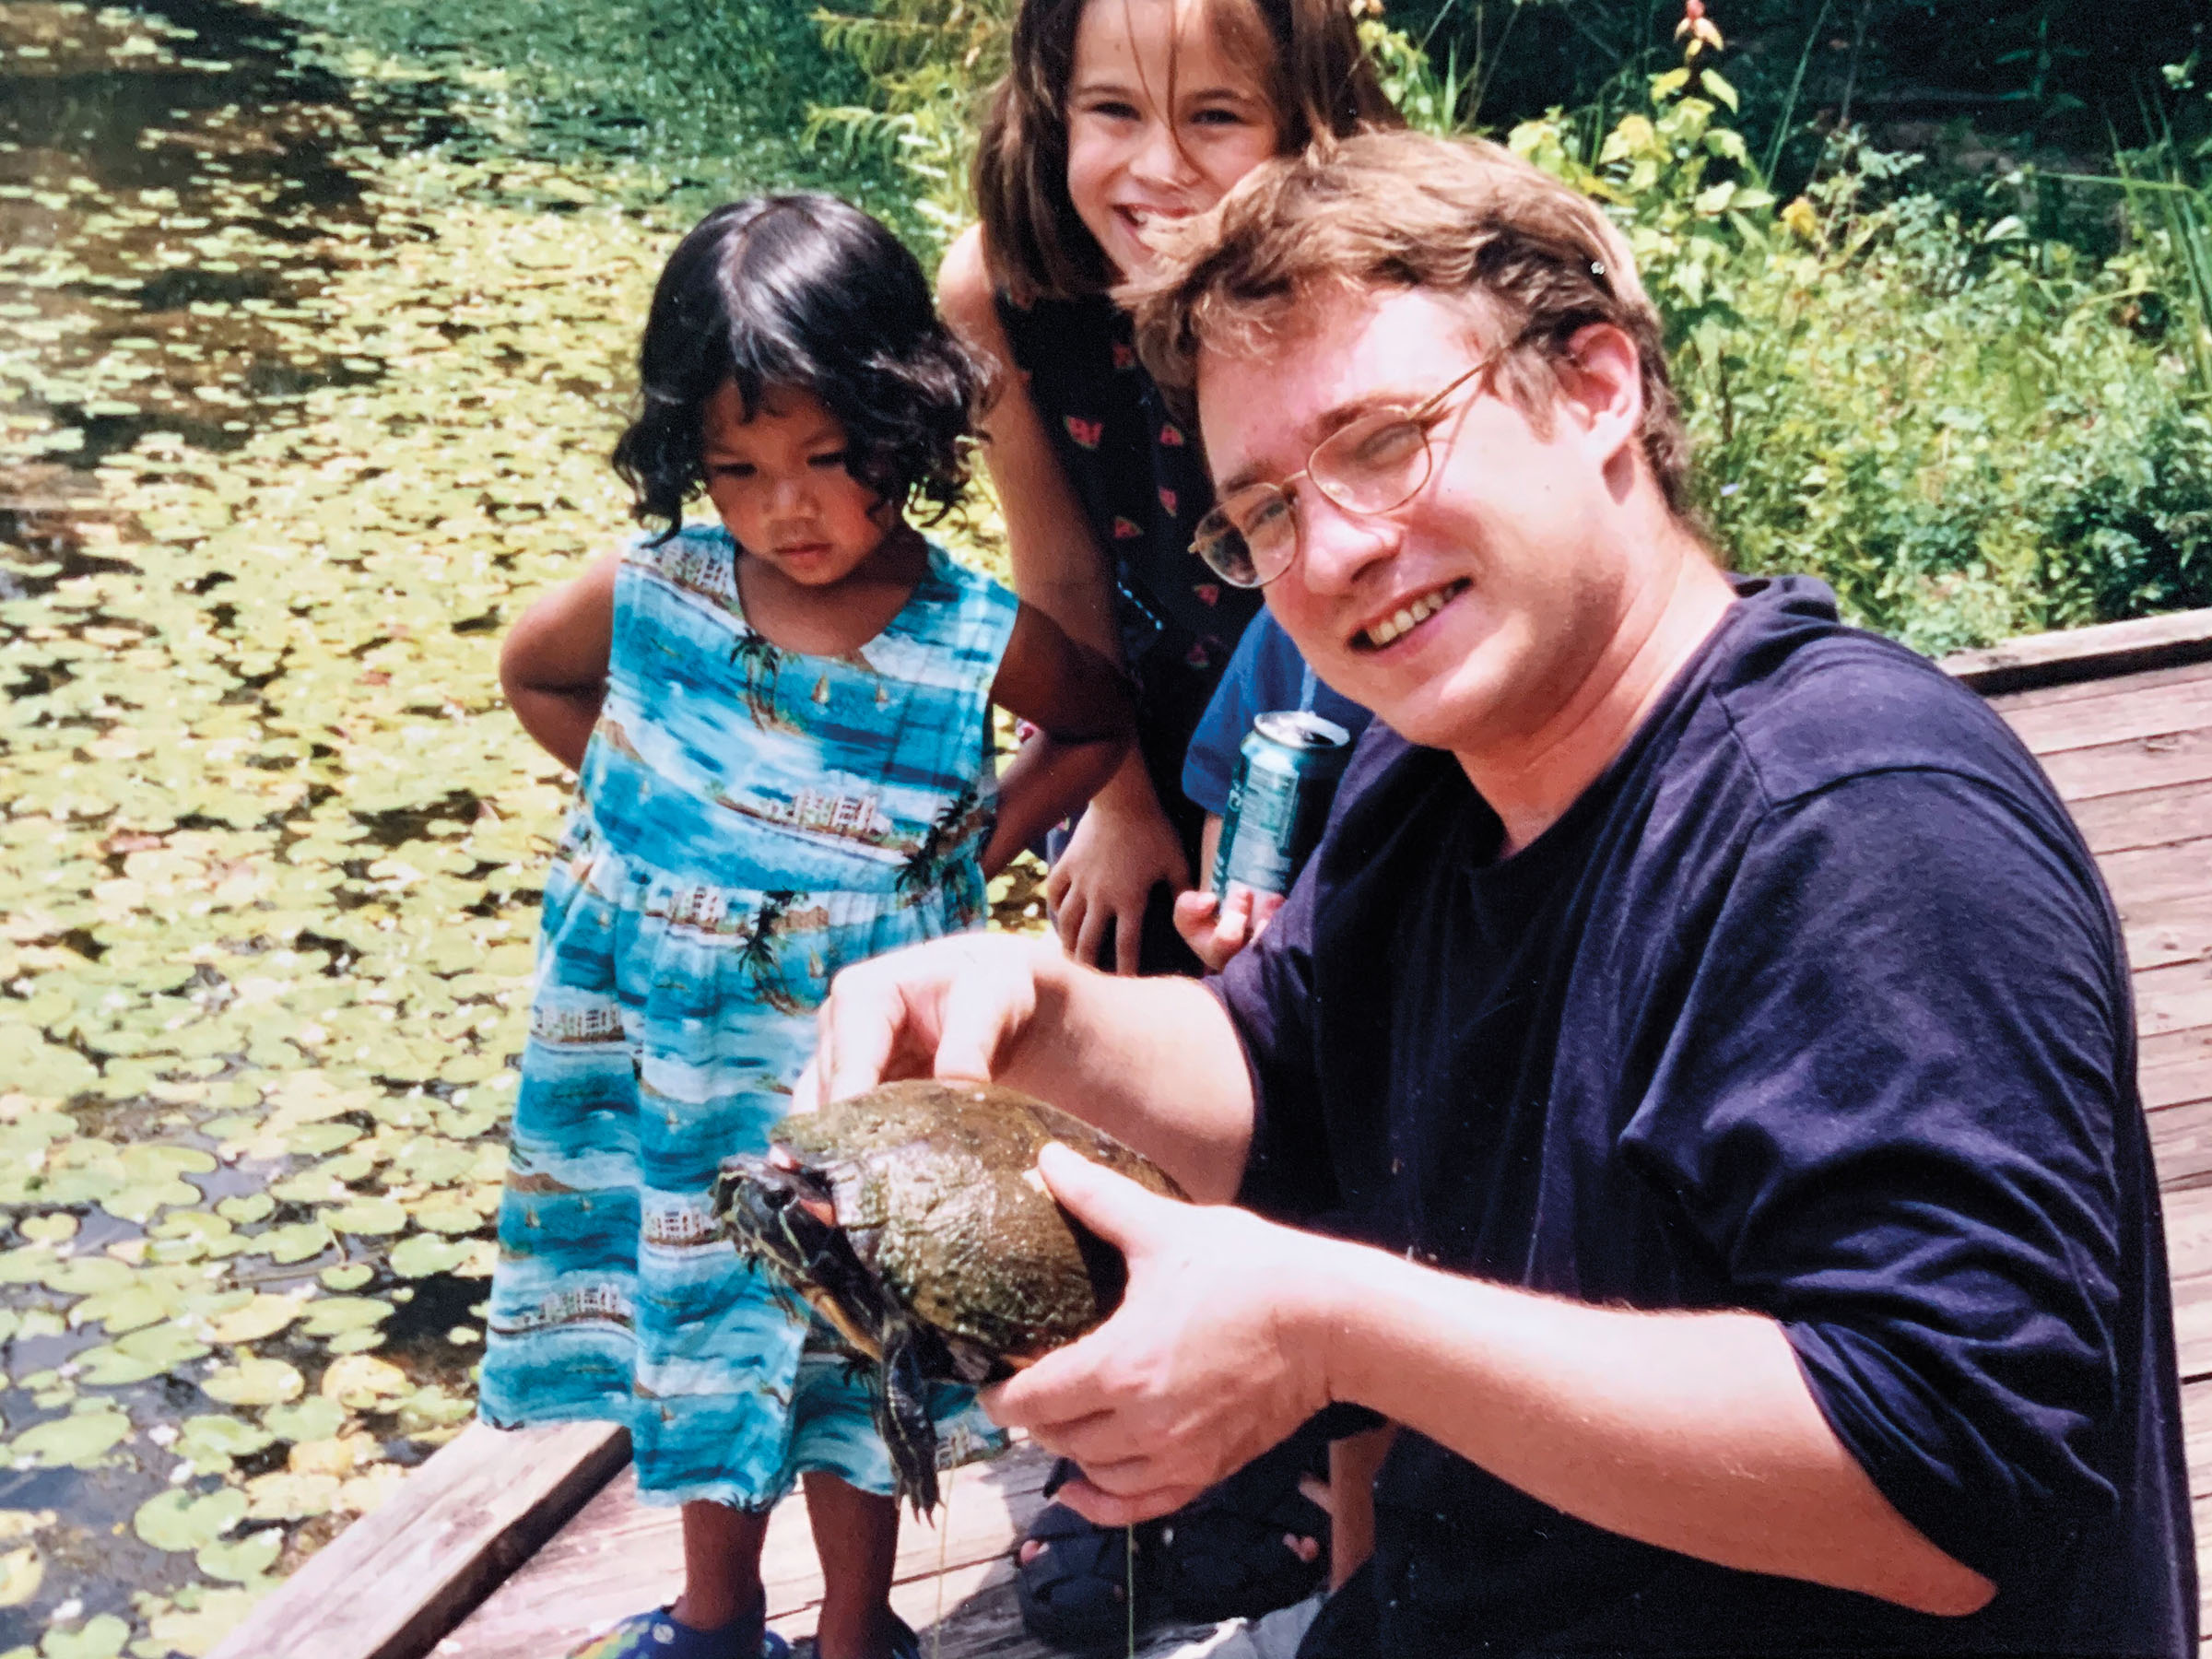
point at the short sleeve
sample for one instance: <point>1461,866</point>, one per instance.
<point>1211,762</point>
<point>1892,1109</point>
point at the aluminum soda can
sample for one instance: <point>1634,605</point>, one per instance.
<point>1287,773</point>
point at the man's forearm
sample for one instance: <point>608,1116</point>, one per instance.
<point>1693,1431</point>
<point>1154,1062</point>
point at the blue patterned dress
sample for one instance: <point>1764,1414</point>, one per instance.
<point>747,821</point>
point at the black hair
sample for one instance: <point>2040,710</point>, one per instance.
<point>807,292</point>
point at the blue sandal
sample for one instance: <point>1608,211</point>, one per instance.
<point>656,1635</point>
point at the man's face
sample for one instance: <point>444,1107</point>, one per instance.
<point>1500,562</point>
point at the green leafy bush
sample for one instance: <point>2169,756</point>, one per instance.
<point>1957,427</point>
<point>930,65</point>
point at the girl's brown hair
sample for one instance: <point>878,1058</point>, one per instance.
<point>1319,83</point>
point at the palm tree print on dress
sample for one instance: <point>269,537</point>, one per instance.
<point>925,866</point>
<point>759,959</point>
<point>762,663</point>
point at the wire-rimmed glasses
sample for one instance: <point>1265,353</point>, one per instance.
<point>1371,464</point>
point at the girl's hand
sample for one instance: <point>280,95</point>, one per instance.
<point>1119,852</point>
<point>1216,929</point>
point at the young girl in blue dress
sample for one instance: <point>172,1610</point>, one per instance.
<point>781,727</point>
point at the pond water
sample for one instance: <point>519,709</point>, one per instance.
<point>306,387</point>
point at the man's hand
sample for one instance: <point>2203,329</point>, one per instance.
<point>1106,873</point>
<point>1216,929</point>
<point>952,1007</point>
<point>1195,1376</point>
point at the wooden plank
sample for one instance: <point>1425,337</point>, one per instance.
<point>2201,1514</point>
<point>2156,875</point>
<point>2144,818</point>
<point>2043,696</point>
<point>2173,999</point>
<point>2140,763</point>
<point>2189,1265</point>
<point>2078,653</point>
<point>2189,1233</point>
<point>2180,1142</point>
<point>2196,1436</point>
<point>2171,931</point>
<point>395,1581</point>
<point>2125,711</point>
<point>2175,1068</point>
<point>622,1555</point>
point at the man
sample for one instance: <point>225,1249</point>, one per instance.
<point>1702,1029</point>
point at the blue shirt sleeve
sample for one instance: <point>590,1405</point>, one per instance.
<point>1890,1110</point>
<point>1210,762</point>
<point>1266,673</point>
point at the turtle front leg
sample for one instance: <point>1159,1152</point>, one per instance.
<point>903,1418</point>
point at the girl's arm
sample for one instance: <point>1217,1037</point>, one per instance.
<point>1080,704</point>
<point>1058,566</point>
<point>1126,845</point>
<point>553,667</point>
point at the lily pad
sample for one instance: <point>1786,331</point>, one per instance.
<point>337,1315</point>
<point>215,1436</point>
<point>78,1440</point>
<point>133,1306</point>
<point>284,1496</point>
<point>254,1382</point>
<point>142,1354</point>
<point>22,1571</point>
<point>179,1520</point>
<point>85,1275</point>
<point>264,1316</point>
<point>295,1241</point>
<point>420,1255</point>
<point>372,1216</point>
<point>362,1383</point>
<point>351,1276</point>
<point>241,1559</point>
<point>446,1215</point>
<point>100,1637</point>
<point>315,1418</point>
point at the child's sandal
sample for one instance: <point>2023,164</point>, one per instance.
<point>657,1635</point>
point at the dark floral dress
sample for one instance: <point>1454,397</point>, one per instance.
<point>1143,482</point>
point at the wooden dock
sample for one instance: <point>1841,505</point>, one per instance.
<point>516,1547</point>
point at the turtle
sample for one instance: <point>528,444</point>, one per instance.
<point>913,1218</point>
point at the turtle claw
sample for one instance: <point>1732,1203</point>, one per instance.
<point>903,1418</point>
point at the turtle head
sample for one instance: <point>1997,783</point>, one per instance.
<point>782,1214</point>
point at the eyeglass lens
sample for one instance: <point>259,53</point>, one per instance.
<point>1371,466</point>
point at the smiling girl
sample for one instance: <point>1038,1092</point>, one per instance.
<point>1115,117</point>
<point>781,727</point>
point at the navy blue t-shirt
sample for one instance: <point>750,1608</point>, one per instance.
<point>1266,673</point>
<point>1813,1005</point>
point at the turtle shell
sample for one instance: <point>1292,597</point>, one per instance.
<point>933,1190</point>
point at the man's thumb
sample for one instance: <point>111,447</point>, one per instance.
<point>1112,1206</point>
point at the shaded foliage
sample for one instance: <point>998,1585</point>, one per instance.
<point>2063,72</point>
